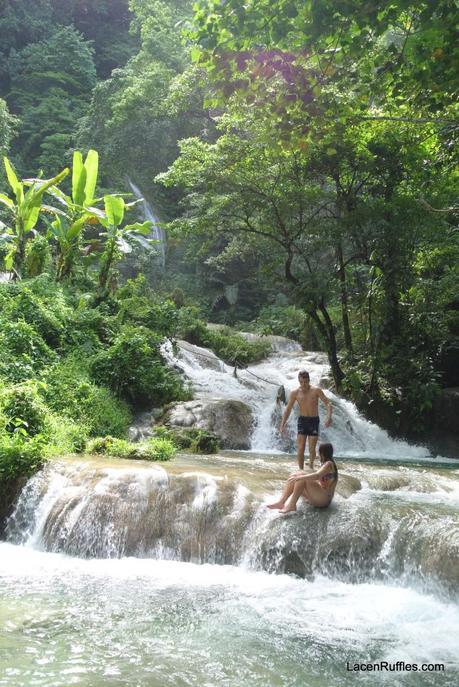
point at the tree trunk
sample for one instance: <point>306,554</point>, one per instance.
<point>344,301</point>
<point>19,255</point>
<point>327,334</point>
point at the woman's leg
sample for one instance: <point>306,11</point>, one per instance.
<point>299,488</point>
<point>285,494</point>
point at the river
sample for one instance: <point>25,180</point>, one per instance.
<point>117,573</point>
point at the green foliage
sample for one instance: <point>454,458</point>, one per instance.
<point>24,410</point>
<point>156,449</point>
<point>282,320</point>
<point>69,225</point>
<point>131,114</point>
<point>24,352</point>
<point>19,457</point>
<point>398,53</point>
<point>139,304</point>
<point>25,211</point>
<point>30,308</point>
<point>233,348</point>
<point>118,239</point>
<point>70,392</point>
<point>50,81</point>
<point>65,436</point>
<point>193,439</point>
<point>37,256</point>
<point>133,368</point>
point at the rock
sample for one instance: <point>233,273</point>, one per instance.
<point>446,409</point>
<point>194,439</point>
<point>206,358</point>
<point>231,421</point>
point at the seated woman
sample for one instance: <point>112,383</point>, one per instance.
<point>316,487</point>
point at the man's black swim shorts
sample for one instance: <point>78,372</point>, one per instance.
<point>308,426</point>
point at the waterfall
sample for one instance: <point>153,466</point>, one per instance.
<point>157,232</point>
<point>89,510</point>
<point>257,386</point>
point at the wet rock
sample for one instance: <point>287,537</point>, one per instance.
<point>231,421</point>
<point>347,485</point>
<point>207,359</point>
<point>9,492</point>
<point>293,565</point>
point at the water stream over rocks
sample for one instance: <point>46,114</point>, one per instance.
<point>257,387</point>
<point>127,574</point>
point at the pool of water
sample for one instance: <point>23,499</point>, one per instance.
<point>143,622</point>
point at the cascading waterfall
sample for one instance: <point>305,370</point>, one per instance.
<point>157,232</point>
<point>117,573</point>
<point>87,510</point>
<point>257,386</point>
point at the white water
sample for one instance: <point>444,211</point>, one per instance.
<point>67,621</point>
<point>145,622</point>
<point>350,433</point>
<point>157,232</point>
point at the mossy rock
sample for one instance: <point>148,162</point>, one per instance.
<point>194,440</point>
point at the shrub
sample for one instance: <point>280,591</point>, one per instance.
<point>28,307</point>
<point>88,328</point>
<point>70,391</point>
<point>194,439</point>
<point>139,305</point>
<point>65,436</point>
<point>133,367</point>
<point>154,449</point>
<point>20,457</point>
<point>23,352</point>
<point>191,328</point>
<point>38,256</point>
<point>225,342</point>
<point>234,349</point>
<point>24,410</point>
<point>160,449</point>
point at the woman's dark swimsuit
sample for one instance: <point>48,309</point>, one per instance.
<point>308,425</point>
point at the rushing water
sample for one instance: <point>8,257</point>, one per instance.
<point>124,574</point>
<point>157,232</point>
<point>257,386</point>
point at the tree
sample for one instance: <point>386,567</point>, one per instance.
<point>50,82</point>
<point>133,119</point>
<point>252,198</point>
<point>25,210</point>
<point>394,53</point>
<point>70,221</point>
<point>117,238</point>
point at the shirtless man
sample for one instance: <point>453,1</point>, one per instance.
<point>307,397</point>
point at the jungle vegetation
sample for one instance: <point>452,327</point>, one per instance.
<point>302,157</point>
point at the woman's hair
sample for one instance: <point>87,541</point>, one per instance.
<point>326,453</point>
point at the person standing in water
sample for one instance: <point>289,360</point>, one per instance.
<point>307,397</point>
<point>318,488</point>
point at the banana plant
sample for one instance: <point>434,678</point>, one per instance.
<point>25,209</point>
<point>118,239</point>
<point>76,212</point>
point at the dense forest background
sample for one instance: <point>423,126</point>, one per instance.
<point>301,156</point>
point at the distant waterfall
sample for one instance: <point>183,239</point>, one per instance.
<point>157,232</point>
